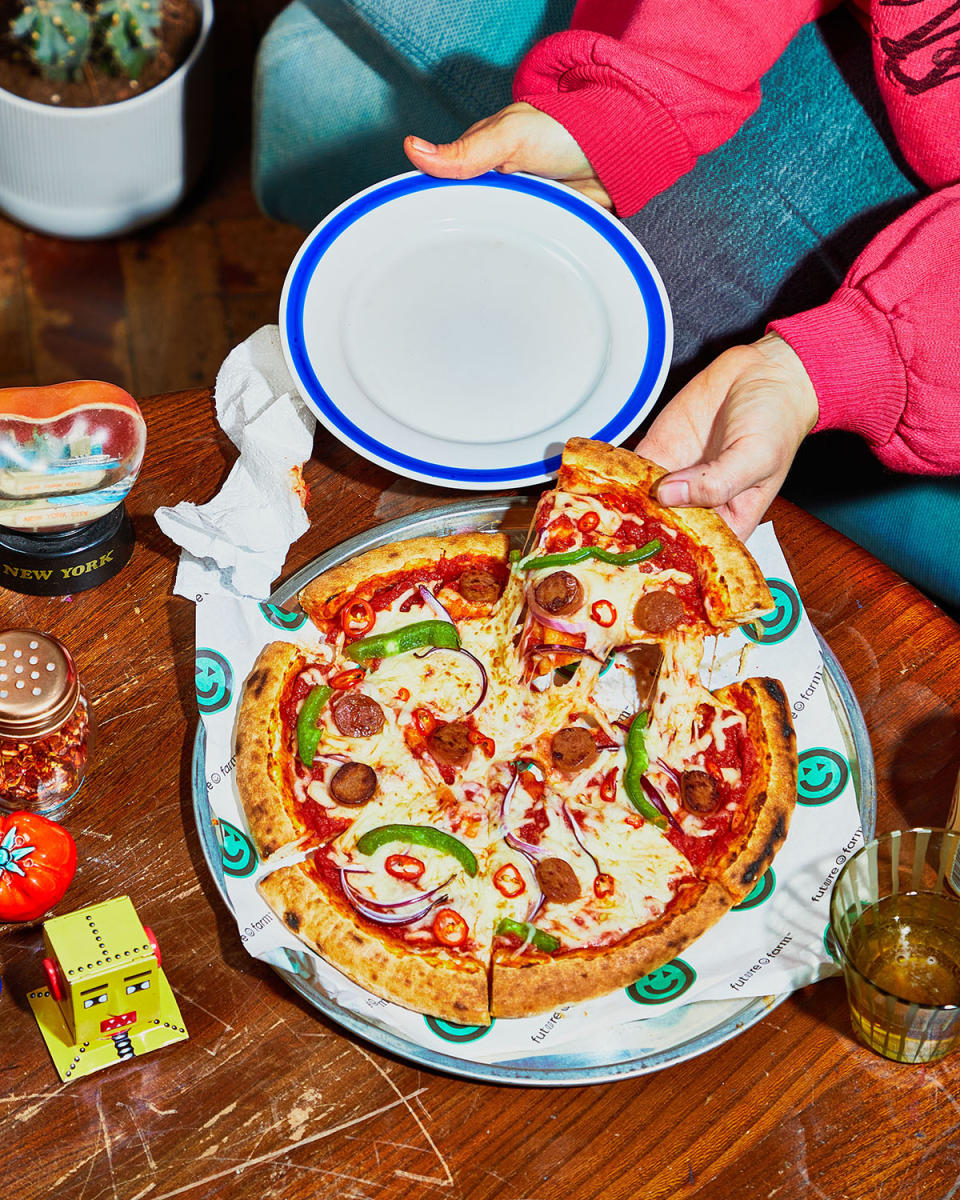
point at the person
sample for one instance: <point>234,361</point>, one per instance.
<point>755,154</point>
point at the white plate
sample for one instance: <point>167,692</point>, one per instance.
<point>458,332</point>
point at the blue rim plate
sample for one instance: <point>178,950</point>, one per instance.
<point>645,1045</point>
<point>459,332</point>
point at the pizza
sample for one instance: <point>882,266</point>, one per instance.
<point>498,783</point>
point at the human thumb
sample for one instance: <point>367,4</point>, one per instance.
<point>707,486</point>
<point>468,156</point>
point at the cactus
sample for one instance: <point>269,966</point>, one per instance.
<point>61,36</point>
<point>57,35</point>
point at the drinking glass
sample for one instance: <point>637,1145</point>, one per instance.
<point>895,918</point>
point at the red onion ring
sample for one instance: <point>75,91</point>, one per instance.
<point>527,849</point>
<point>653,795</point>
<point>387,913</point>
<point>668,771</point>
<point>552,622</point>
<point>484,678</point>
<point>576,836</point>
<point>432,602</point>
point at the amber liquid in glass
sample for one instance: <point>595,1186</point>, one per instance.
<point>909,945</point>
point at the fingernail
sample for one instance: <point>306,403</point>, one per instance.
<point>674,492</point>
<point>416,143</point>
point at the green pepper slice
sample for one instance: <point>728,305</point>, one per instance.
<point>637,763</point>
<point>407,637</point>
<point>308,735</point>
<point>542,941</point>
<point>568,558</point>
<point>419,835</point>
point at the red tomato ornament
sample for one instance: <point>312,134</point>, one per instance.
<point>38,859</point>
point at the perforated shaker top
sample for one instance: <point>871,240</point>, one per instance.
<point>39,685</point>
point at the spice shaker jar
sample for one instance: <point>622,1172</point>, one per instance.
<point>45,727</point>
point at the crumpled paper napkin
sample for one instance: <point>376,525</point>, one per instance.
<point>238,541</point>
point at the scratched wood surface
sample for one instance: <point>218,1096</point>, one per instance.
<point>159,309</point>
<point>268,1099</point>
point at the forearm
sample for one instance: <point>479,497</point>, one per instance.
<point>646,88</point>
<point>883,353</point>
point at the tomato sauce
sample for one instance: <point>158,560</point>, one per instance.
<point>739,752</point>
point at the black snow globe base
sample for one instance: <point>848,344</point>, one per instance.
<point>43,563</point>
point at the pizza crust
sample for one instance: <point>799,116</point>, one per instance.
<point>323,597</point>
<point>735,590</point>
<point>525,987</point>
<point>259,747</point>
<point>438,984</point>
<point>773,792</point>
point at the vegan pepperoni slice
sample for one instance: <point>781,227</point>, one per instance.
<point>354,783</point>
<point>450,743</point>
<point>357,715</point>
<point>573,748</point>
<point>478,586</point>
<point>559,593</point>
<point>698,791</point>
<point>658,612</point>
<point>558,880</point>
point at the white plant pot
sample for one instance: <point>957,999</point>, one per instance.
<point>102,171</point>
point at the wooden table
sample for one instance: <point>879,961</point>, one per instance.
<point>269,1099</point>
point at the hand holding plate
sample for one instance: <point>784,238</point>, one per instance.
<point>517,138</point>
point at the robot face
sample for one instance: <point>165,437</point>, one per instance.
<point>120,1000</point>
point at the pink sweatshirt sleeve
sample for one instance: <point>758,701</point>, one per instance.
<point>884,352</point>
<point>647,86</point>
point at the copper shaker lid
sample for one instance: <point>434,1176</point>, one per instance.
<point>39,685</point>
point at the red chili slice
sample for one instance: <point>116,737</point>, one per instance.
<point>449,928</point>
<point>347,679</point>
<point>608,786</point>
<point>508,881</point>
<point>404,866</point>
<point>603,885</point>
<point>486,744</point>
<point>424,720</point>
<point>357,618</point>
<point>403,695</point>
<point>604,613</point>
<point>589,521</point>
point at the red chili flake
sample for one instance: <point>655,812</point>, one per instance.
<point>347,679</point>
<point>486,744</point>
<point>603,885</point>
<point>604,613</point>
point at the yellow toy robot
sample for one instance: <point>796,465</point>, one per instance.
<point>108,1000</point>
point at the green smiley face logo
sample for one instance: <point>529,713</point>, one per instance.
<point>214,680</point>
<point>821,776</point>
<point>280,618</point>
<point>776,626</point>
<point>666,983</point>
<point>456,1033</point>
<point>236,850</point>
<point>763,890</point>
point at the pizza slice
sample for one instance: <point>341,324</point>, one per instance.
<point>597,898</point>
<point>608,566</point>
<point>398,902</point>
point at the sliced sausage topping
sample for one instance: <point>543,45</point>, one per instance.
<point>573,748</point>
<point>357,715</point>
<point>559,592</point>
<point>450,743</point>
<point>478,586</point>
<point>698,790</point>
<point>558,880</point>
<point>658,612</point>
<point>353,783</point>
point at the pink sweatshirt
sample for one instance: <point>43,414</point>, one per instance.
<point>648,86</point>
